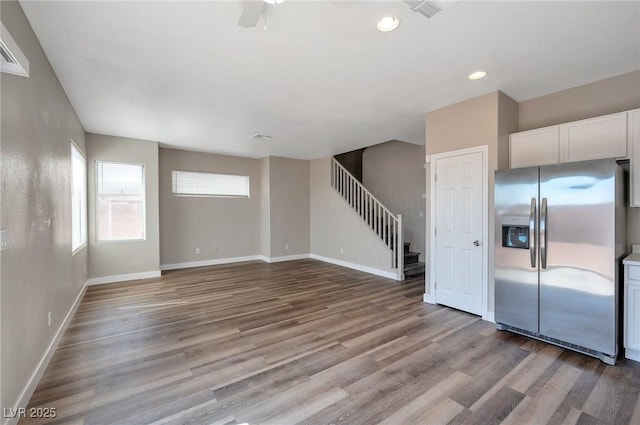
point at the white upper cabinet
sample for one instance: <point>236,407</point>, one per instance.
<point>634,153</point>
<point>601,137</point>
<point>534,147</point>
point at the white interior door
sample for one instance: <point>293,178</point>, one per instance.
<point>459,231</point>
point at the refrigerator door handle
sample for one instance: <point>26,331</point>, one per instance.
<point>543,234</point>
<point>532,232</point>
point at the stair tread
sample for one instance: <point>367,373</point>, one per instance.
<point>412,266</point>
<point>411,253</point>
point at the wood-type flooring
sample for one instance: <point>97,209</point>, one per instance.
<point>311,343</point>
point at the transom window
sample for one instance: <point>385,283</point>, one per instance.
<point>193,183</point>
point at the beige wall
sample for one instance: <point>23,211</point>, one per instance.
<point>483,120</point>
<point>219,227</point>
<point>289,206</point>
<point>124,257</point>
<point>265,208</point>
<point>394,172</point>
<point>38,272</point>
<point>334,225</point>
<point>609,96</point>
<point>604,97</point>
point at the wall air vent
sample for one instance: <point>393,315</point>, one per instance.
<point>428,8</point>
<point>12,60</point>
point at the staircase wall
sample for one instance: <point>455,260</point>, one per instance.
<point>394,172</point>
<point>334,226</point>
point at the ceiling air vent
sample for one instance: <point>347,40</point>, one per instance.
<point>428,8</point>
<point>258,136</point>
<point>12,60</point>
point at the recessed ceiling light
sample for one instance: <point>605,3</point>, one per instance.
<point>477,75</point>
<point>388,23</point>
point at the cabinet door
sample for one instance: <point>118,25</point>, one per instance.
<point>632,315</point>
<point>534,147</point>
<point>602,137</point>
<point>634,153</point>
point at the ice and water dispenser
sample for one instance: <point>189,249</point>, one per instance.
<point>515,231</point>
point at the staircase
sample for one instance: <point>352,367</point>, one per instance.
<point>413,268</point>
<point>386,225</point>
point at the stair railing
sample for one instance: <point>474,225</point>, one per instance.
<point>386,225</point>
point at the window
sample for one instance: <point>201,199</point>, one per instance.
<point>78,199</point>
<point>191,183</point>
<point>120,201</point>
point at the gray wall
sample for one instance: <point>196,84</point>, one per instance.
<point>394,172</point>
<point>220,227</point>
<point>334,225</point>
<point>38,272</point>
<point>289,212</point>
<point>604,97</point>
<point>124,257</point>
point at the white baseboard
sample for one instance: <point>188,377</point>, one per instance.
<point>285,258</point>
<point>428,298</point>
<point>489,316</point>
<point>34,380</point>
<point>632,354</point>
<point>359,267</point>
<point>231,260</point>
<point>123,277</point>
<point>214,262</point>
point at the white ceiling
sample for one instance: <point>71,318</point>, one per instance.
<point>321,80</point>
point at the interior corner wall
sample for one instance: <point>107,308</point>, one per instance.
<point>220,227</point>
<point>471,123</point>
<point>265,209</point>
<point>116,258</point>
<point>394,172</point>
<point>289,207</point>
<point>507,124</point>
<point>38,272</point>
<point>336,231</point>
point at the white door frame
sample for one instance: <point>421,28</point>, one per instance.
<point>484,150</point>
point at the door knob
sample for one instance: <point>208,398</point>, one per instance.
<point>476,243</point>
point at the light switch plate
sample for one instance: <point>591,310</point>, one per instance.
<point>4,239</point>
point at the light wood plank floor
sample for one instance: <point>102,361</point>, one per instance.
<point>312,343</point>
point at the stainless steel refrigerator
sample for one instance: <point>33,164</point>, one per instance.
<point>559,240</point>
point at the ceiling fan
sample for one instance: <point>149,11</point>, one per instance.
<point>253,10</point>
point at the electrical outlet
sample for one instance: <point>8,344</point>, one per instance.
<point>197,251</point>
<point>421,214</point>
<point>341,250</point>
<point>286,247</point>
<point>49,319</point>
<point>85,269</point>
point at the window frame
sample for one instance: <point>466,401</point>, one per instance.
<point>208,195</point>
<point>143,194</point>
<point>84,204</point>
